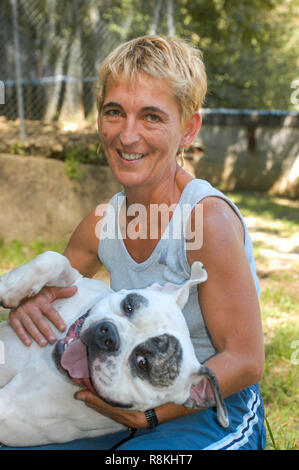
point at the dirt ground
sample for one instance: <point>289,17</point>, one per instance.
<point>280,252</point>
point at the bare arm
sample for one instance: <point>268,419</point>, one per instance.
<point>229,300</point>
<point>82,249</point>
<point>30,319</point>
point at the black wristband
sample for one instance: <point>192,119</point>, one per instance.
<point>151,418</point>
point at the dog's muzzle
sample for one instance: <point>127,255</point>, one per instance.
<point>71,352</point>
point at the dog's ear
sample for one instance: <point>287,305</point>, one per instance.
<point>181,292</point>
<point>205,393</point>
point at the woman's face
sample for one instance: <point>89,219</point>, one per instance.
<point>141,130</point>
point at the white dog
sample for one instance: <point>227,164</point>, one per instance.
<point>132,348</point>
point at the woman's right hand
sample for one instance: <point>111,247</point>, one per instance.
<point>29,319</point>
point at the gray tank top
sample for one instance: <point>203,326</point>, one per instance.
<point>168,262</point>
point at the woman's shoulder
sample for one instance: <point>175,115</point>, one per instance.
<point>221,228</point>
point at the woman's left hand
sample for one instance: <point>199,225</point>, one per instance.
<point>131,418</point>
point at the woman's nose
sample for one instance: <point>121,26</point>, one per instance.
<point>129,133</point>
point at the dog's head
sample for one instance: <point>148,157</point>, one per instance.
<point>133,349</point>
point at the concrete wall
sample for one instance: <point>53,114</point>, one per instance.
<point>37,198</point>
<point>250,150</point>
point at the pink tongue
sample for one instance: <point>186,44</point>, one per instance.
<point>74,360</point>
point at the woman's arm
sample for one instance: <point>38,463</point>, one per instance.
<point>228,299</point>
<point>82,249</point>
<point>30,319</point>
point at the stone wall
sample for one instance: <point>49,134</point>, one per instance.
<point>38,199</point>
<point>252,150</point>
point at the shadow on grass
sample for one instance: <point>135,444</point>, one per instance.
<point>261,204</point>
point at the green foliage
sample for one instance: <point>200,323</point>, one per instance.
<point>16,253</point>
<point>246,47</point>
<point>73,158</point>
<point>17,148</point>
<point>72,165</point>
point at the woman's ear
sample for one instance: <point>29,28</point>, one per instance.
<point>191,129</point>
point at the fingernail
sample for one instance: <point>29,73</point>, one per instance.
<point>52,339</point>
<point>61,327</point>
<point>43,342</point>
<point>27,342</point>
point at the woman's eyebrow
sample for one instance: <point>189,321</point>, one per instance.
<point>155,109</point>
<point>111,104</point>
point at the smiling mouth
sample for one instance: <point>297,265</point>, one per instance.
<point>131,156</point>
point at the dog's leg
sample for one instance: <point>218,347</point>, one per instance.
<point>47,269</point>
<point>13,355</point>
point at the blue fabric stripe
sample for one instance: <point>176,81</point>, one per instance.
<point>238,438</point>
<point>247,432</point>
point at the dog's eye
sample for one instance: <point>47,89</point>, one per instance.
<point>127,307</point>
<point>142,363</point>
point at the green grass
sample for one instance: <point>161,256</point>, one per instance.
<point>268,207</point>
<point>17,253</point>
<point>279,306</point>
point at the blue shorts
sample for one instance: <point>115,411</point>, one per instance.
<point>198,431</point>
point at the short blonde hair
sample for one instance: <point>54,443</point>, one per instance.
<point>163,57</point>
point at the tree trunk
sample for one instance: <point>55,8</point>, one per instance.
<point>53,90</point>
<point>170,18</point>
<point>72,108</point>
<point>153,29</point>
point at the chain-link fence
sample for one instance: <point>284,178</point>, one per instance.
<point>50,51</point>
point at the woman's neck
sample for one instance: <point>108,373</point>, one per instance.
<point>166,190</point>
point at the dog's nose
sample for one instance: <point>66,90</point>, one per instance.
<point>107,337</point>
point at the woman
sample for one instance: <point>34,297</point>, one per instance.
<point>150,90</point>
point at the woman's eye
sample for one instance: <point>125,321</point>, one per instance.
<point>153,118</point>
<point>113,112</point>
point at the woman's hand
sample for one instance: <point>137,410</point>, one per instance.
<point>29,320</point>
<point>133,419</point>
